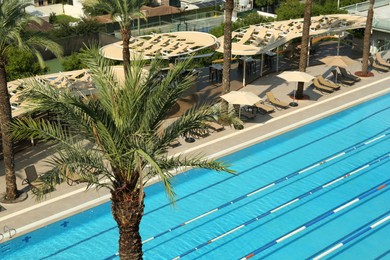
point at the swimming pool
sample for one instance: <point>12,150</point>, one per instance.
<point>293,197</point>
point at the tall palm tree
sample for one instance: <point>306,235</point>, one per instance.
<point>227,46</point>
<point>304,46</point>
<point>121,11</point>
<point>367,38</point>
<point>13,20</point>
<point>126,142</point>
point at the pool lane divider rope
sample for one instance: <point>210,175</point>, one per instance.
<point>353,235</point>
<point>320,217</point>
<point>279,207</point>
<point>274,158</point>
<point>354,147</point>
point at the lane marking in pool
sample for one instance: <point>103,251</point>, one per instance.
<point>319,218</point>
<point>306,194</point>
<point>106,197</point>
<point>274,158</point>
<point>280,180</point>
<point>353,235</point>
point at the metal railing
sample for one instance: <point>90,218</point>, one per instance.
<point>363,6</point>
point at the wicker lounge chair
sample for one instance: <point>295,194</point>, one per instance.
<point>381,61</point>
<point>321,87</point>
<point>339,78</point>
<point>34,181</point>
<point>276,102</point>
<point>348,75</point>
<point>174,143</point>
<point>328,83</point>
<point>263,108</point>
<point>215,126</point>
<point>376,66</point>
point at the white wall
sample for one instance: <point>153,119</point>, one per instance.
<point>75,10</point>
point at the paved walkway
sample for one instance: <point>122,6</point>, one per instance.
<point>67,200</point>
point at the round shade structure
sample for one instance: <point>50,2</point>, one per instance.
<point>163,45</point>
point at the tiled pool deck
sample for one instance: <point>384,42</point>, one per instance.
<point>67,200</point>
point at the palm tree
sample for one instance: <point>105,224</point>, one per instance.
<point>120,11</point>
<point>13,20</point>
<point>367,38</point>
<point>227,46</point>
<point>304,46</point>
<point>123,135</point>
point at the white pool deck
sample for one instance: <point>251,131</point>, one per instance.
<point>67,200</point>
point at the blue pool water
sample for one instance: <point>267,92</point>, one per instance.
<point>93,235</point>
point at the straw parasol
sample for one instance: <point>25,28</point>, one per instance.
<point>241,98</point>
<point>295,76</point>
<point>337,61</point>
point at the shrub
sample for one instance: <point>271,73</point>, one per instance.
<point>73,62</point>
<point>22,64</point>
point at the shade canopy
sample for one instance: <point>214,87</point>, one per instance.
<point>296,76</point>
<point>241,98</point>
<point>338,61</point>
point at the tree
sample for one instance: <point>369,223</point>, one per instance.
<point>227,46</point>
<point>21,64</point>
<point>13,20</point>
<point>304,46</point>
<point>120,11</point>
<point>367,38</point>
<point>126,143</point>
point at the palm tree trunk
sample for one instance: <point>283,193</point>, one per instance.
<point>127,210</point>
<point>8,151</point>
<point>126,34</point>
<point>367,38</point>
<point>304,46</point>
<point>227,51</point>
<point>227,46</point>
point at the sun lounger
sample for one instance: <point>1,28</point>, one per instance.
<point>377,66</point>
<point>263,108</point>
<point>339,78</point>
<point>174,143</point>
<point>34,181</point>
<point>276,102</point>
<point>215,126</point>
<point>321,87</point>
<point>328,83</point>
<point>348,75</point>
<point>381,61</point>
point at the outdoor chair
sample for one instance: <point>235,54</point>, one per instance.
<point>276,102</point>
<point>347,74</point>
<point>377,66</point>
<point>34,181</point>
<point>321,87</point>
<point>215,126</point>
<point>328,83</point>
<point>339,78</point>
<point>263,108</point>
<point>73,178</point>
<point>381,61</point>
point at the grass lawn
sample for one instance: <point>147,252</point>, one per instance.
<point>54,66</point>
